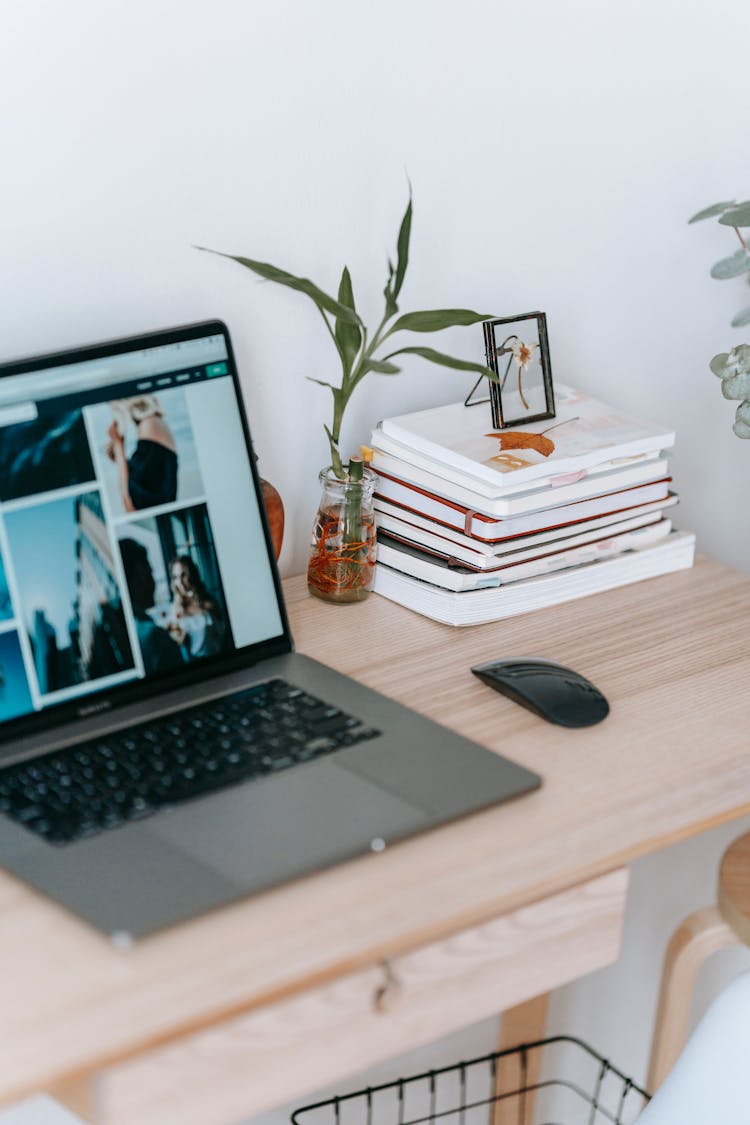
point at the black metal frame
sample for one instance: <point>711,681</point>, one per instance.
<point>157,684</point>
<point>454,1095</point>
<point>496,389</point>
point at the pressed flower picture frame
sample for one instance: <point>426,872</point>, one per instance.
<point>517,350</point>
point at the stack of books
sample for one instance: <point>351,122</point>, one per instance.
<point>476,524</point>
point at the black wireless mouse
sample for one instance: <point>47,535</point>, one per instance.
<point>557,694</point>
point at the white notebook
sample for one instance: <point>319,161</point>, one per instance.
<point>446,543</point>
<point>584,433</point>
<point>476,606</point>
<point>565,490</point>
<point>444,573</point>
<point>488,529</point>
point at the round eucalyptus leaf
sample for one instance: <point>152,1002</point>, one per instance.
<point>742,420</point>
<point>719,363</point>
<point>737,264</point>
<point>736,386</point>
<point>741,319</point>
<point>737,216</point>
<point>710,212</point>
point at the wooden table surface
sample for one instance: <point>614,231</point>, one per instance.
<point>671,654</point>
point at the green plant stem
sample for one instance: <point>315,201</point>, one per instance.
<point>352,532</point>
<point>352,529</point>
<point>349,382</point>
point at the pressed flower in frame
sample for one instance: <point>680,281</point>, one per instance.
<point>517,345</point>
<point>523,354</point>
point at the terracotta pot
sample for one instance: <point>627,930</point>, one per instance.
<point>275,513</point>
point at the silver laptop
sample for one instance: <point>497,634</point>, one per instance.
<point>163,750</point>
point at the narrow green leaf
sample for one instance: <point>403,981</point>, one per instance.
<point>322,383</point>
<point>336,462</point>
<point>404,236</point>
<point>738,263</point>
<point>737,216</point>
<point>391,308</point>
<point>709,212</point>
<point>437,319</point>
<point>719,363</point>
<point>348,335</point>
<point>447,361</point>
<point>741,319</point>
<point>382,367</point>
<point>301,284</point>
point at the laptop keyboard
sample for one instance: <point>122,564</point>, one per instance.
<point>93,786</point>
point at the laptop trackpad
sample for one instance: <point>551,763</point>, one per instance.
<point>278,828</point>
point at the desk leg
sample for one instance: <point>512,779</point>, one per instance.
<point>523,1024</point>
<point>77,1095</point>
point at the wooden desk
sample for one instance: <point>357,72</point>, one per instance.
<point>265,1000</point>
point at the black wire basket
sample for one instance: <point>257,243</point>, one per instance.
<point>556,1081</point>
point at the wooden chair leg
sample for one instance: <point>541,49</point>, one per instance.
<point>700,935</point>
<point>523,1024</point>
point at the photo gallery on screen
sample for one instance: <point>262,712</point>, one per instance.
<point>133,585</point>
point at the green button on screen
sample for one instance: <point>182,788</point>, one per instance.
<point>215,369</point>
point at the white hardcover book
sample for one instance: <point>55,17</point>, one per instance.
<point>440,572</point>
<point>491,530</point>
<point>383,443</point>
<point>496,563</point>
<point>473,607</point>
<point>434,537</point>
<point>584,433</point>
<point>566,490</point>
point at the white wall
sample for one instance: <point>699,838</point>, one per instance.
<point>556,148</point>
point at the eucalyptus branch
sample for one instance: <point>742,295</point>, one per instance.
<point>733,368</point>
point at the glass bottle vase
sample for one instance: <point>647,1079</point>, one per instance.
<point>341,566</point>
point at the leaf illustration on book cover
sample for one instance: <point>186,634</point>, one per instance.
<point>518,439</point>
<point>523,439</point>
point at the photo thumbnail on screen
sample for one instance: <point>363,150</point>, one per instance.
<point>145,449</point>
<point>71,598</point>
<point>45,454</point>
<point>6,609</point>
<point>175,588</point>
<point>15,698</point>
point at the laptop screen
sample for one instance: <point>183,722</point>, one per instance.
<point>131,541</point>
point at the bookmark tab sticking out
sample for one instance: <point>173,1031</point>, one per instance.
<point>567,478</point>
